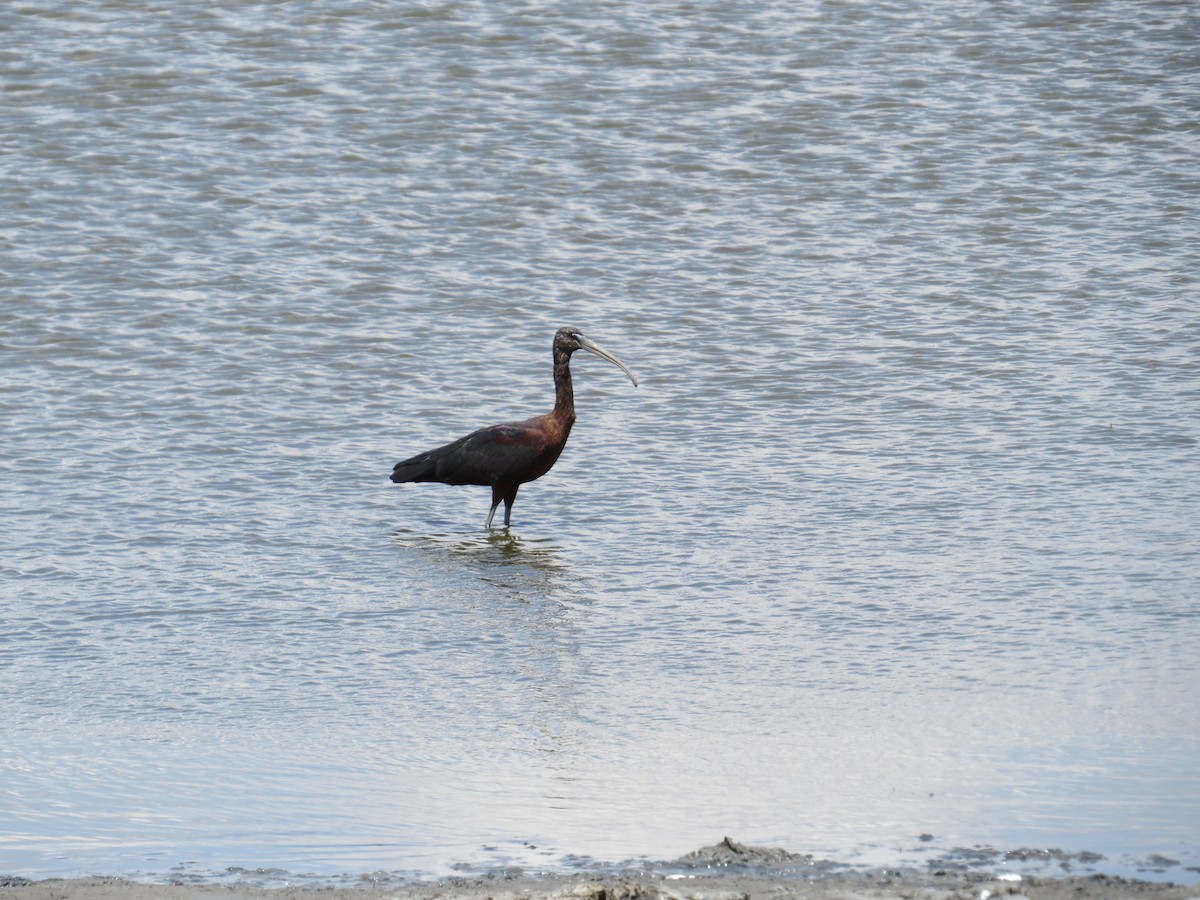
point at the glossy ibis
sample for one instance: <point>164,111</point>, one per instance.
<point>507,456</point>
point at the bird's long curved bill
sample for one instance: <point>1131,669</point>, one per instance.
<point>600,351</point>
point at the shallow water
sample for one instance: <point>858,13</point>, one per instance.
<point>897,537</point>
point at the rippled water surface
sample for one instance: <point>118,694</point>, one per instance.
<point>899,535</point>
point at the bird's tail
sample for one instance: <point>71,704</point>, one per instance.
<point>419,468</point>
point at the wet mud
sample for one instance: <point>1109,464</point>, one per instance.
<point>725,871</point>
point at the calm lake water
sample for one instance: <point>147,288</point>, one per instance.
<point>900,535</point>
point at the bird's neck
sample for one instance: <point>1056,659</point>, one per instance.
<point>564,391</point>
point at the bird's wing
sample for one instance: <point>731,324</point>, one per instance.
<point>493,455</point>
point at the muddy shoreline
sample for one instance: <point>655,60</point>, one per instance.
<point>879,885</point>
<point>725,871</point>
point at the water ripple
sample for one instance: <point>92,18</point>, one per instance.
<point>899,527</point>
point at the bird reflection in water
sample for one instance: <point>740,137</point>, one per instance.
<point>515,622</point>
<point>528,570</point>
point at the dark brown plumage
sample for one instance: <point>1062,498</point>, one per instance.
<point>507,456</point>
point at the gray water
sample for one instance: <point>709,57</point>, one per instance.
<point>898,537</point>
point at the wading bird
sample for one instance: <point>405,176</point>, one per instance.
<point>507,456</point>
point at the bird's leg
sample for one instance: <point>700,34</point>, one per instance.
<point>509,499</point>
<point>497,496</point>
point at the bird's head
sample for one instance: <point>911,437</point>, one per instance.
<point>568,340</point>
